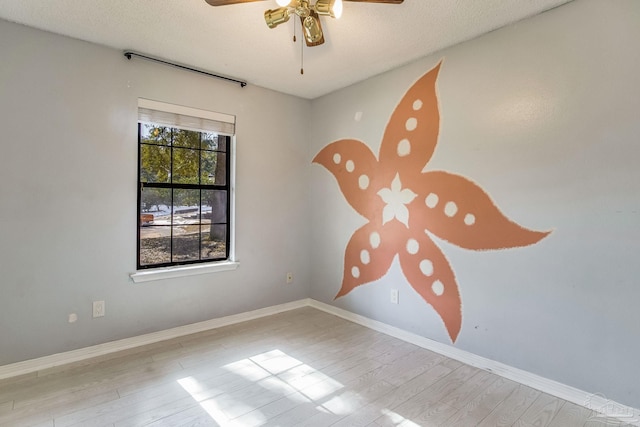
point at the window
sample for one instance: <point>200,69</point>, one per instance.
<point>184,185</point>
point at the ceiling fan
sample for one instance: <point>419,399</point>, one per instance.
<point>308,12</point>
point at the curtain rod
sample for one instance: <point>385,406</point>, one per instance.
<point>128,54</point>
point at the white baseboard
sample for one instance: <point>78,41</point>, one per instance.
<point>595,402</point>
<point>47,362</point>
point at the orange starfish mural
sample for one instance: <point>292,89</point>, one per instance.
<point>403,203</point>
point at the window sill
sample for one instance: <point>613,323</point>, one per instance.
<point>188,270</point>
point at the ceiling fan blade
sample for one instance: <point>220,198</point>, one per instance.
<point>378,1</point>
<point>226,2</point>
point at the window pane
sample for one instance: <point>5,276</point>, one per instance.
<point>214,206</point>
<point>186,242</point>
<point>223,142</point>
<point>185,166</point>
<point>153,134</point>
<point>155,245</point>
<point>155,163</point>
<point>213,168</point>
<point>214,142</point>
<point>186,138</point>
<point>156,202</point>
<point>213,241</point>
<point>186,206</point>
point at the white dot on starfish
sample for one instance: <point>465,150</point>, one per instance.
<point>404,148</point>
<point>363,182</point>
<point>470,219</point>
<point>413,246</point>
<point>450,209</point>
<point>374,240</point>
<point>432,200</point>
<point>355,272</point>
<point>437,288</point>
<point>350,166</point>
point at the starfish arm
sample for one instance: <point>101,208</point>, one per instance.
<point>368,255</point>
<point>354,167</point>
<point>402,214</point>
<point>457,210</point>
<point>412,132</point>
<point>388,214</point>
<point>407,196</point>
<point>386,195</point>
<point>396,184</point>
<point>430,274</point>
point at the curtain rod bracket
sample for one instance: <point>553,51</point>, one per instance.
<point>129,54</point>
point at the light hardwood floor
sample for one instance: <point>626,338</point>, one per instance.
<point>299,368</point>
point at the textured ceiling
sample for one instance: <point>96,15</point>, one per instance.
<point>235,41</point>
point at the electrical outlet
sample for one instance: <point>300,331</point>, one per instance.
<point>394,296</point>
<point>98,309</point>
<point>289,278</point>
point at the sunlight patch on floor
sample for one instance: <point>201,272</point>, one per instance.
<point>279,376</point>
<point>192,386</point>
<point>343,404</point>
<point>398,420</point>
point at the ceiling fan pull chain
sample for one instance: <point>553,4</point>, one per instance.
<point>301,56</point>
<point>294,30</point>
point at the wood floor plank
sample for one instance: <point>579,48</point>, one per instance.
<point>45,413</point>
<point>120,409</point>
<point>248,399</point>
<point>270,411</point>
<point>60,404</point>
<point>18,379</point>
<point>350,400</point>
<point>6,407</point>
<point>297,368</point>
<point>607,422</point>
<point>44,424</point>
<point>542,411</point>
<point>194,416</point>
<point>395,351</point>
<point>509,410</point>
<point>482,405</point>
<point>414,387</point>
<point>570,415</point>
<point>398,396</point>
<point>294,417</point>
<point>147,414</point>
<point>434,416</point>
<point>424,401</point>
<point>410,366</point>
<point>61,384</point>
<point>469,390</point>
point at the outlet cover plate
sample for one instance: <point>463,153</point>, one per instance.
<point>394,296</point>
<point>98,309</point>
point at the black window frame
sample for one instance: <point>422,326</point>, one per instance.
<point>183,186</point>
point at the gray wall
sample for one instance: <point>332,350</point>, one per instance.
<point>545,116</point>
<point>68,196</point>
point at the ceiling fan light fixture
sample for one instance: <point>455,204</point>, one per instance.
<point>283,3</point>
<point>275,17</point>
<point>331,8</point>
<point>312,29</point>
